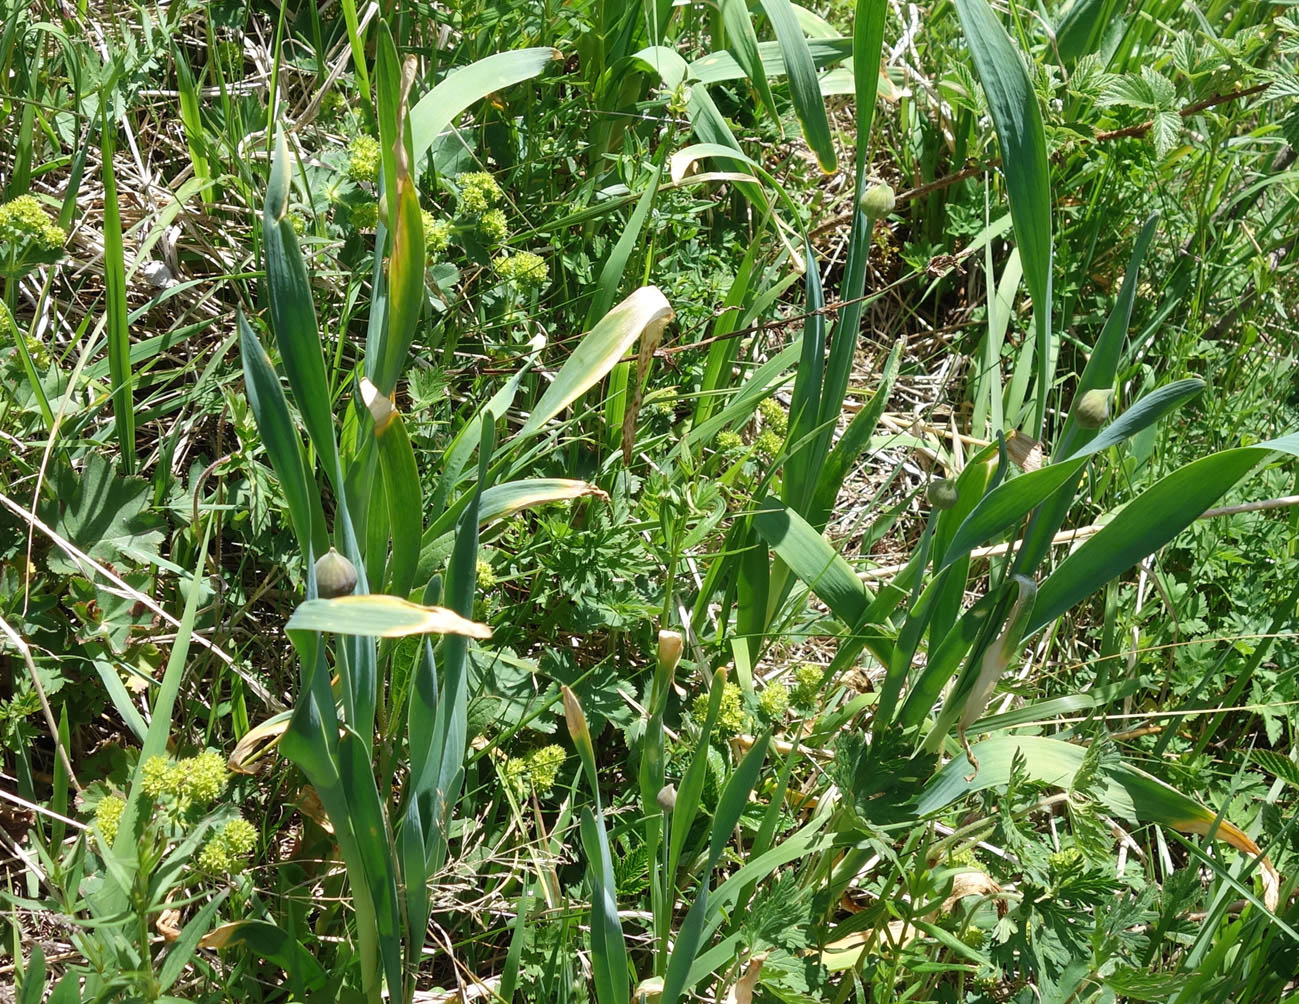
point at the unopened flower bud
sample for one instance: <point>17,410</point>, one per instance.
<point>877,201</point>
<point>1093,409</point>
<point>670,645</point>
<point>335,575</point>
<point>667,798</point>
<point>942,493</point>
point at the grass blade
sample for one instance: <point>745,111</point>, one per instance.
<point>804,89</point>
<point>441,106</point>
<point>1149,522</point>
<point>1018,121</point>
<point>115,306</point>
<point>730,805</point>
<point>743,45</point>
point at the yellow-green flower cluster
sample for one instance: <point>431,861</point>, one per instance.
<point>729,443</point>
<point>807,684</point>
<point>730,713</point>
<point>198,779</point>
<point>228,847</point>
<point>203,776</point>
<point>156,777</point>
<point>365,216</point>
<point>108,814</point>
<point>515,772</point>
<point>494,226</point>
<point>28,234</point>
<point>523,268</point>
<point>478,192</point>
<point>543,767</point>
<point>437,234</point>
<point>539,769</point>
<point>774,416</point>
<point>485,574</point>
<point>364,159</point>
<point>773,702</point>
<point>768,444</point>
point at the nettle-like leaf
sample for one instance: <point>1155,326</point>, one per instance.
<point>1090,78</point>
<point>1152,92</point>
<point>1149,90</point>
<point>104,514</point>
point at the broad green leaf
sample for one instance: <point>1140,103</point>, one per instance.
<point>451,729</point>
<point>381,616</point>
<point>269,942</point>
<point>1010,501</point>
<point>293,315</point>
<point>810,557</point>
<point>1149,522</point>
<point>510,497</point>
<point>401,489</point>
<point>598,352</point>
<point>721,66</point>
<point>374,845</point>
<point>406,262</point>
<point>1099,373</point>
<point>608,949</point>
<point>283,445</point>
<point>804,89</point>
<point>1126,790</point>
<point>103,513</point>
<point>808,438</point>
<point>1018,121</point>
<point>440,107</point>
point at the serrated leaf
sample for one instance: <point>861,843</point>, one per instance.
<point>103,514</point>
<point>1165,131</point>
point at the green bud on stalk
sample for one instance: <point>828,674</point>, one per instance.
<point>335,575</point>
<point>942,493</point>
<point>1093,409</point>
<point>877,201</point>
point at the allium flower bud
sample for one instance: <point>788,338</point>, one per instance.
<point>1093,409</point>
<point>670,646</point>
<point>335,575</point>
<point>877,201</point>
<point>942,493</point>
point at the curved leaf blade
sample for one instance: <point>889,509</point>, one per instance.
<point>597,353</point>
<point>381,616</point>
<point>1147,523</point>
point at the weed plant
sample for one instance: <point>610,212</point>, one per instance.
<point>747,501</point>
